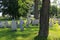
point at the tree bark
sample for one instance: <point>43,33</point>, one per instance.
<point>44,20</point>
<point>36,12</point>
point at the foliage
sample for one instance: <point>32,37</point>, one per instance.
<point>53,10</point>
<point>24,7</point>
<point>5,7</point>
<point>17,8</point>
<point>11,8</point>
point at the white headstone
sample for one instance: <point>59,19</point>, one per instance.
<point>14,26</point>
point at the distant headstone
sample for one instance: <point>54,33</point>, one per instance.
<point>21,24</point>
<point>1,24</point>
<point>14,26</point>
<point>50,23</point>
<point>6,24</point>
<point>59,21</point>
<point>17,24</point>
<point>35,22</point>
<point>54,19</point>
<point>28,21</point>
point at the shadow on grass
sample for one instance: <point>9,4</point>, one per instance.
<point>40,38</point>
<point>7,35</point>
<point>12,35</point>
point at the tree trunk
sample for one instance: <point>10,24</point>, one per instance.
<point>36,13</point>
<point>44,20</point>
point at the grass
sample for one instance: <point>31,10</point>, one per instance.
<point>54,32</point>
<point>29,33</point>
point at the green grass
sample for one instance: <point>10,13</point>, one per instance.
<point>28,33</point>
<point>54,32</point>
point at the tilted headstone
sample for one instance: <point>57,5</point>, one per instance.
<point>21,24</point>
<point>14,26</point>
<point>35,22</point>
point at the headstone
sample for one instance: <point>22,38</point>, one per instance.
<point>17,23</point>
<point>28,18</point>
<point>59,21</point>
<point>50,22</point>
<point>35,22</point>
<point>54,19</point>
<point>21,24</point>
<point>1,24</point>
<point>14,26</point>
<point>28,22</point>
<point>6,24</point>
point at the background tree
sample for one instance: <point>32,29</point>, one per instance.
<point>16,8</point>
<point>36,12</point>
<point>5,7</point>
<point>13,8</point>
<point>54,7</point>
<point>24,6</point>
<point>53,10</point>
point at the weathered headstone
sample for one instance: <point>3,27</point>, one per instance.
<point>21,24</point>
<point>14,26</point>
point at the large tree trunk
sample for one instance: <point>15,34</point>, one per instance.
<point>36,9</point>
<point>44,20</point>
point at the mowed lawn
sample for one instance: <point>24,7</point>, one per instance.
<point>28,33</point>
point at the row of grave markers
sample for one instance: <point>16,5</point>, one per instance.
<point>53,21</point>
<point>14,24</point>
